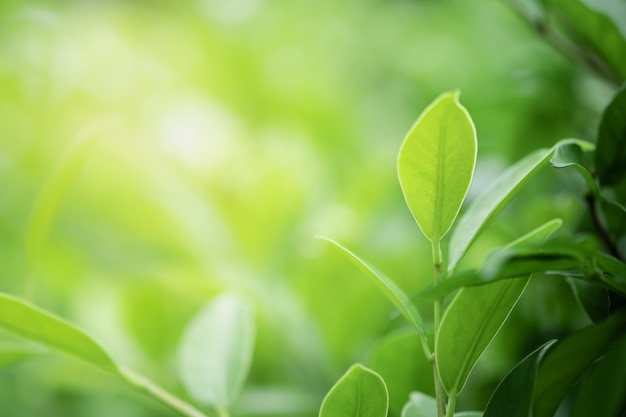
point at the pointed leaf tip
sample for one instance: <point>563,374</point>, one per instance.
<point>436,164</point>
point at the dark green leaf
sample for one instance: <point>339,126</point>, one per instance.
<point>610,155</point>
<point>495,197</point>
<point>513,396</point>
<point>602,392</point>
<point>469,324</point>
<point>593,298</point>
<point>360,392</point>
<point>568,360</point>
<point>584,33</point>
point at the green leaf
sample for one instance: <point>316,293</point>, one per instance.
<point>395,359</point>
<point>420,405</point>
<point>30,322</point>
<point>436,164</point>
<point>12,353</point>
<point>360,392</point>
<point>469,324</point>
<point>610,155</point>
<point>593,298</point>
<point>566,362</point>
<point>517,259</point>
<point>602,392</point>
<point>572,155</point>
<point>513,396</point>
<point>594,38</point>
<point>386,286</point>
<point>537,235</point>
<point>216,349</point>
<point>495,197</point>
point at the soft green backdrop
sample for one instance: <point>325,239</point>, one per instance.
<point>229,134</point>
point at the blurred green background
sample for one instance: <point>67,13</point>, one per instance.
<point>229,134</point>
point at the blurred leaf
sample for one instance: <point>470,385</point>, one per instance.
<point>566,362</point>
<point>602,392</point>
<point>360,392</point>
<point>52,193</point>
<point>610,156</point>
<point>513,396</point>
<point>420,405</point>
<point>469,324</point>
<point>489,203</point>
<point>436,164</point>
<point>386,286</point>
<point>216,351</point>
<point>395,359</point>
<point>33,323</point>
<point>593,298</point>
<point>13,353</point>
<point>167,303</point>
<point>599,41</point>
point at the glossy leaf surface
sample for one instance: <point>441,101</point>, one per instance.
<point>558,372</point>
<point>593,298</point>
<point>518,258</point>
<point>513,396</point>
<point>436,164</point>
<point>216,350</point>
<point>493,199</point>
<point>386,286</point>
<point>360,392</point>
<point>469,324</point>
<point>594,397</point>
<point>573,155</point>
<point>610,155</point>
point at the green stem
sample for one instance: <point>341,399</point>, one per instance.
<point>149,388</point>
<point>451,405</point>
<point>440,393</point>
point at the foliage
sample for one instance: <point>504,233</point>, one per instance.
<point>168,245</point>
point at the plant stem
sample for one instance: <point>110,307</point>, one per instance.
<point>451,405</point>
<point>149,388</point>
<point>439,390</point>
